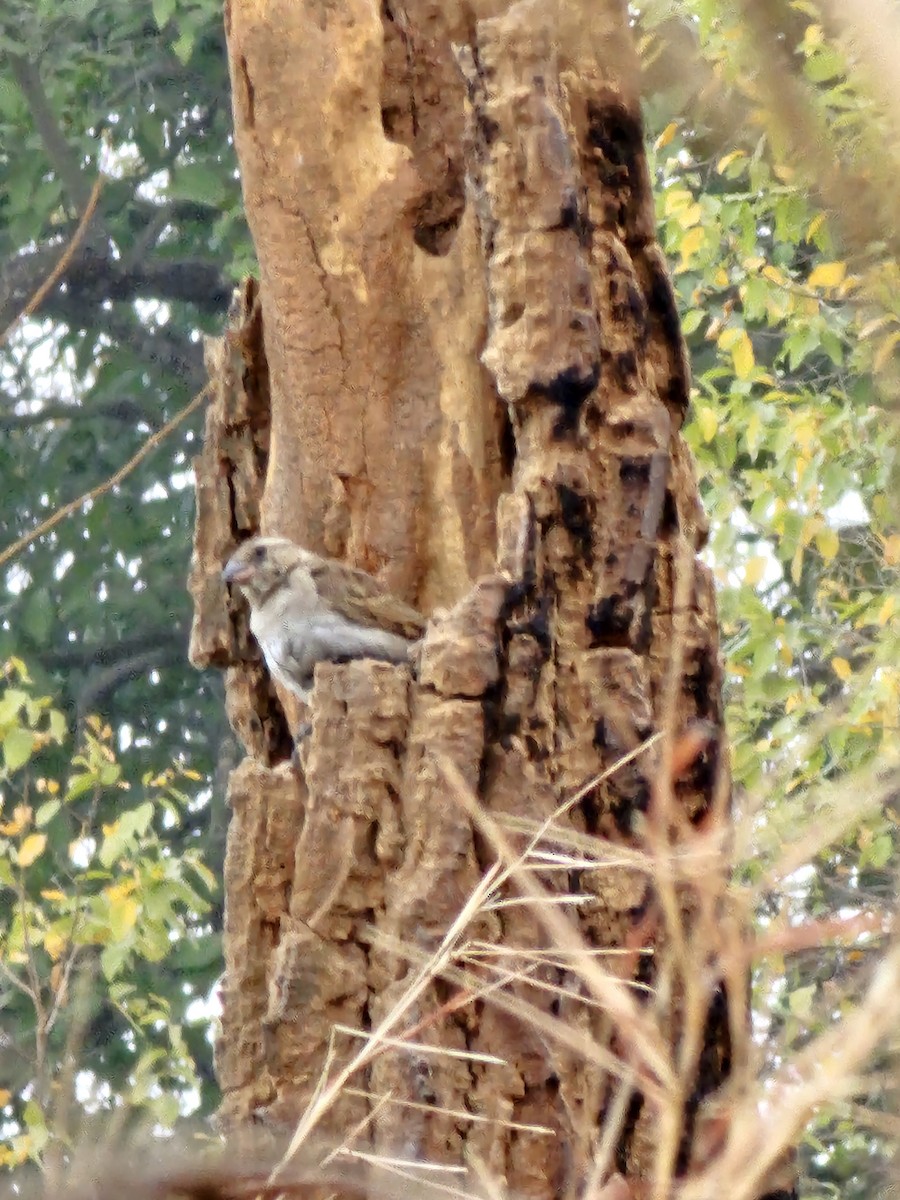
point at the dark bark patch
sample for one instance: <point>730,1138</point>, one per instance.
<point>669,525</point>
<point>700,684</point>
<point>591,807</point>
<point>629,1126</point>
<point>625,366</point>
<point>577,513</point>
<point>536,751</point>
<point>635,472</point>
<point>537,626</point>
<point>507,443</point>
<point>662,303</point>
<point>713,1069</point>
<point>623,808</point>
<point>573,215</point>
<point>627,304</point>
<point>487,128</point>
<point>619,136</point>
<point>609,622</point>
<point>569,390</point>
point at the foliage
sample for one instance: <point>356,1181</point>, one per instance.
<point>103,919</point>
<point>792,342</point>
<point>98,608</point>
<point>792,324</point>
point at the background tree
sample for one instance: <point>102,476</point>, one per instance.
<point>759,248</point>
<point>98,606</point>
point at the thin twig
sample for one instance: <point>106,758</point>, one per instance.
<point>67,509</point>
<point>53,278</point>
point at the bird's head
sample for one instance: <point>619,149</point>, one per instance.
<point>262,565</point>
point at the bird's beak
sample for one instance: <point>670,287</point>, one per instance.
<point>236,572</point>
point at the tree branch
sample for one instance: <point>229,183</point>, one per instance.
<point>165,638</point>
<point>63,161</point>
<point>73,412</point>
<point>101,686</point>
<point>163,346</point>
<point>92,279</point>
<point>117,410</point>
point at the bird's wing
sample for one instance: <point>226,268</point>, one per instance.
<point>361,598</point>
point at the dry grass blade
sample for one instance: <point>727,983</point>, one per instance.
<point>640,1034</point>
<point>435,965</point>
<point>766,1124</point>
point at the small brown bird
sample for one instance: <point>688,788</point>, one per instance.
<point>306,609</point>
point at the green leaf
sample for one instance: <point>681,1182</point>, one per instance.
<point>47,812</point>
<point>199,182</point>
<point>12,702</point>
<point>163,11</point>
<point>113,958</point>
<point>18,747</point>
<point>183,47</point>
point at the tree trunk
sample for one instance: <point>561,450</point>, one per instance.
<point>463,371</point>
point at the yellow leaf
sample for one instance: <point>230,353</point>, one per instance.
<point>753,433</point>
<point>53,894</point>
<point>738,343</point>
<point>675,199</point>
<point>887,610</point>
<point>690,244</point>
<point>708,421</point>
<point>797,564</point>
<point>118,891</point>
<point>828,543</point>
<point>814,226</point>
<point>54,944</point>
<point>841,668</point>
<point>742,356</point>
<point>774,275</point>
<point>690,216</point>
<point>810,528</point>
<point>777,307</point>
<point>814,36</point>
<point>667,134</point>
<point>21,820</point>
<point>755,569</point>
<point>123,915</point>
<point>5,1096</point>
<point>31,849</point>
<point>828,275</point>
<point>726,160</point>
<point>884,351</point>
<point>804,431</point>
<point>720,279</point>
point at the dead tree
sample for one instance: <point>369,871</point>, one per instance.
<point>462,370</point>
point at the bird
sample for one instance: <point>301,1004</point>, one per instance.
<point>306,609</point>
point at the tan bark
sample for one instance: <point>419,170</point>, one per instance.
<point>474,382</point>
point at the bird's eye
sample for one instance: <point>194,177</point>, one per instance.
<point>259,553</point>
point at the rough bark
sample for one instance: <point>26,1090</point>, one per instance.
<point>473,383</point>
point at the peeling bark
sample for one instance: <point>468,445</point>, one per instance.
<point>477,386</point>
